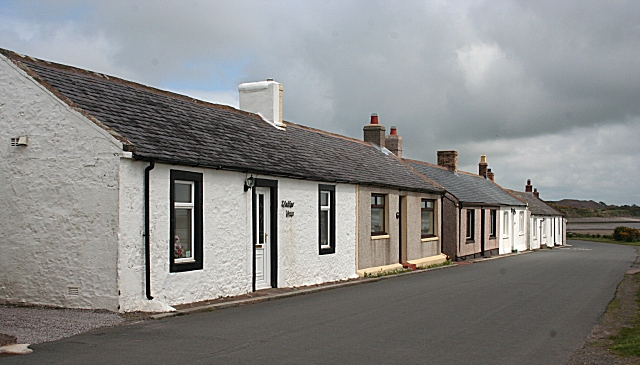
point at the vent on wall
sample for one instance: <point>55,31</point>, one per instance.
<point>74,291</point>
<point>20,141</point>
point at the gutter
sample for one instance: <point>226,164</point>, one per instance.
<point>147,244</point>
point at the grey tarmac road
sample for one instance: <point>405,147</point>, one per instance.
<point>527,309</point>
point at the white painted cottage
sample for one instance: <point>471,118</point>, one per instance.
<point>546,226</point>
<point>124,197</point>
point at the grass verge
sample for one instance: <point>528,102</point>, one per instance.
<point>400,271</point>
<point>627,341</point>
<point>605,240</point>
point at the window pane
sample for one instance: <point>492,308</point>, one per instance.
<point>377,220</point>
<point>373,200</point>
<point>424,204</point>
<point>182,193</point>
<point>427,222</point>
<point>324,228</point>
<point>182,244</point>
<point>429,204</point>
<point>324,199</point>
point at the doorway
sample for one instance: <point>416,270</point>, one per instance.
<point>402,229</point>
<point>262,231</point>
<point>265,234</point>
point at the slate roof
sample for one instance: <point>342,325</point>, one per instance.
<point>466,187</point>
<point>535,205</point>
<point>172,128</point>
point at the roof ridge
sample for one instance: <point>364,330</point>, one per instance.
<point>115,79</point>
<point>427,179</point>
<point>514,194</point>
<point>327,133</point>
<point>425,163</point>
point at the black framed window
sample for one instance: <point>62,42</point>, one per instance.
<point>185,233</point>
<point>327,219</point>
<point>378,208</point>
<point>492,222</point>
<point>471,224</point>
<point>427,207</point>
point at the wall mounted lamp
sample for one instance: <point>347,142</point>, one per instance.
<point>249,183</point>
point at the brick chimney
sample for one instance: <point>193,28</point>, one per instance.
<point>393,142</point>
<point>490,175</point>
<point>535,193</point>
<point>374,132</point>
<point>528,188</point>
<point>482,166</point>
<point>263,98</point>
<point>448,159</point>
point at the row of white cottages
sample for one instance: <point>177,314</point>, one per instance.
<point>123,197</point>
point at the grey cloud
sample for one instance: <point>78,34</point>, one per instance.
<point>463,75</point>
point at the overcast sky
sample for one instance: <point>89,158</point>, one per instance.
<point>548,90</point>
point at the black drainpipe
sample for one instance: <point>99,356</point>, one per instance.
<point>147,254</point>
<point>482,241</point>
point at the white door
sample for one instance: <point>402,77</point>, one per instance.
<point>262,251</point>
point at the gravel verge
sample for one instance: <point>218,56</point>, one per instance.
<point>35,324</point>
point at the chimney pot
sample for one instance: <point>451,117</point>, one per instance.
<point>482,166</point>
<point>393,142</point>
<point>535,193</point>
<point>490,175</point>
<point>448,159</point>
<point>528,187</point>
<point>374,132</point>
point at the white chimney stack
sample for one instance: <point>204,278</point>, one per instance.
<point>263,98</point>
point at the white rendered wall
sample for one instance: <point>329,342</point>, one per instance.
<point>534,232</point>
<point>227,251</point>
<point>227,236</point>
<point>514,239</point>
<point>504,240</point>
<point>299,261</point>
<point>520,231</point>
<point>59,198</point>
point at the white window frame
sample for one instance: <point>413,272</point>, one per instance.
<point>535,228</point>
<point>505,226</point>
<point>521,223</point>
<point>326,208</point>
<point>188,206</point>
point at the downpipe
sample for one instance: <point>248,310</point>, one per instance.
<point>147,243</point>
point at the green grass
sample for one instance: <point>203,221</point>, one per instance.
<point>627,341</point>
<point>403,270</point>
<point>445,263</point>
<point>605,239</point>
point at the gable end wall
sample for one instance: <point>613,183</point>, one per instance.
<point>60,200</point>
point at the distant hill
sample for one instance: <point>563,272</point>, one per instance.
<point>571,208</point>
<point>580,204</point>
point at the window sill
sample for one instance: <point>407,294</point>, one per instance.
<point>470,241</point>
<point>428,239</point>
<point>380,237</point>
<point>184,261</point>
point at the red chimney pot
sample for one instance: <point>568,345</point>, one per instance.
<point>393,131</point>
<point>374,118</point>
